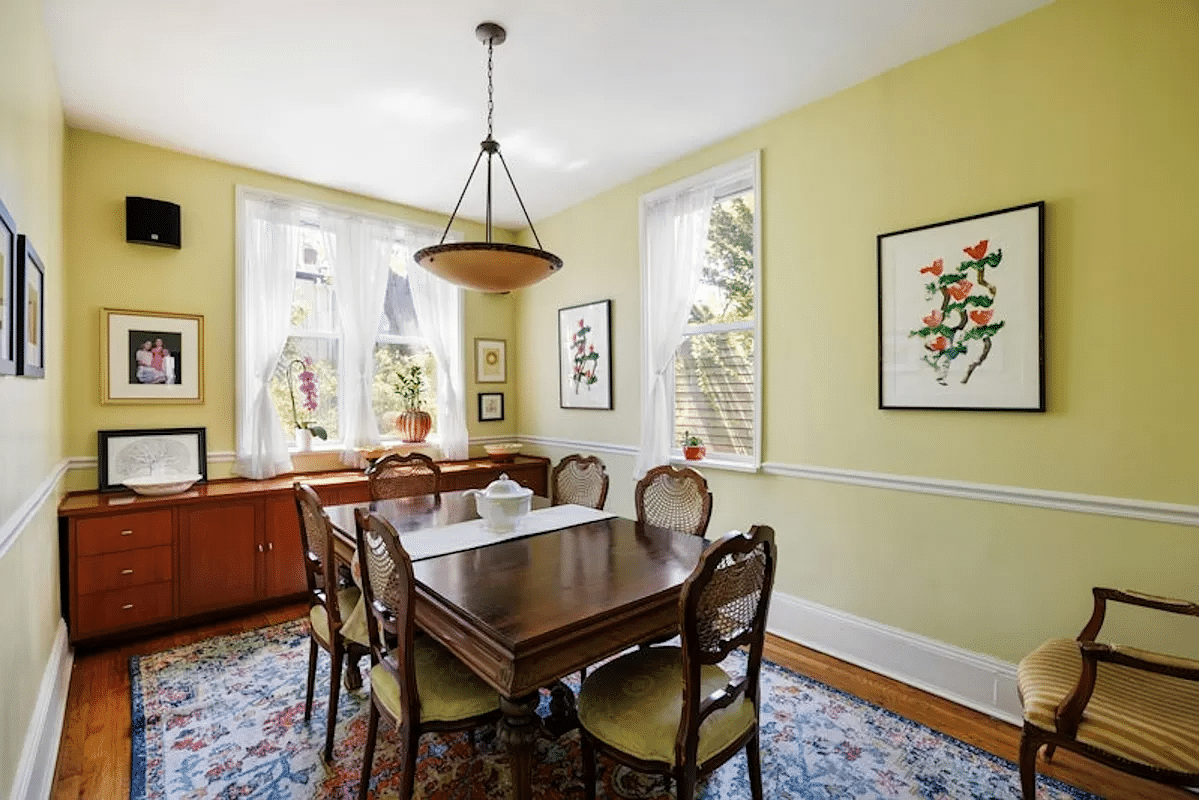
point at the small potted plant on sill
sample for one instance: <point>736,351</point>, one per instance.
<point>304,429</point>
<point>693,447</point>
<point>413,423</point>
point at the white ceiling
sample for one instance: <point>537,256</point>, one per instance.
<point>388,99</point>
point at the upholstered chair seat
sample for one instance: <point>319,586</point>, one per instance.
<point>449,691</point>
<point>318,617</point>
<point>1140,716</point>
<point>635,704</point>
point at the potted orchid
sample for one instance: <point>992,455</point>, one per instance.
<point>304,429</point>
<point>693,447</point>
<point>413,423</point>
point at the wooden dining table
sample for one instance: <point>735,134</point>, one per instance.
<point>524,612</point>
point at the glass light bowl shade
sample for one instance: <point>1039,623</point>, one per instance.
<point>488,266</point>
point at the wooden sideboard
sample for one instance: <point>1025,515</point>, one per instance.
<point>133,564</point>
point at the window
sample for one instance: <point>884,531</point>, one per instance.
<point>714,386</point>
<point>316,337</point>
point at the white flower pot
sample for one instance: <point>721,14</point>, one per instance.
<point>303,439</point>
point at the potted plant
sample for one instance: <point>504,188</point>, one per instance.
<point>304,429</point>
<point>693,447</point>
<point>413,423</point>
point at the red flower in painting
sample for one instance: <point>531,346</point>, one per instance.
<point>938,344</point>
<point>935,267</point>
<point>959,290</point>
<point>978,251</point>
<point>982,317</point>
<point>934,319</point>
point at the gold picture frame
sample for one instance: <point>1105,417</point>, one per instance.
<point>151,357</point>
<point>491,361</point>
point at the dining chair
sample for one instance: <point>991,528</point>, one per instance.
<point>581,480</point>
<point>674,497</point>
<point>417,685</point>
<point>673,710</point>
<point>1132,709</point>
<point>397,475</point>
<point>329,605</point>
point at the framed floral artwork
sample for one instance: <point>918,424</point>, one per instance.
<point>8,306</point>
<point>491,361</point>
<point>961,313</point>
<point>151,357</point>
<point>585,355</point>
<point>491,406</point>
<point>29,322</point>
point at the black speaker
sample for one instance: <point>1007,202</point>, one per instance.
<point>152,222</point>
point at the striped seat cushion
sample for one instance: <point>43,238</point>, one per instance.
<point>1141,716</point>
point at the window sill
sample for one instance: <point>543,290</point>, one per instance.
<point>717,463</point>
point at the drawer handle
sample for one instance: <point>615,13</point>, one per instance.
<point>127,606</point>
<point>126,572</point>
<point>126,533</point>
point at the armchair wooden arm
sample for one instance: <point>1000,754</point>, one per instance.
<point>1103,594</point>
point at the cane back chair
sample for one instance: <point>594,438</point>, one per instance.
<point>416,684</point>
<point>674,497</point>
<point>581,480</point>
<point>1131,709</point>
<point>673,710</point>
<point>398,475</point>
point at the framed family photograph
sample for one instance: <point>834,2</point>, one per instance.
<point>585,355</point>
<point>491,361</point>
<point>149,452</point>
<point>961,313</point>
<point>30,327</point>
<point>151,357</point>
<point>491,406</point>
<point>8,306</point>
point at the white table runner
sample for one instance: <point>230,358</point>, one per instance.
<point>433,542</point>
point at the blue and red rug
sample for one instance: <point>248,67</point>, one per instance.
<point>224,718</point>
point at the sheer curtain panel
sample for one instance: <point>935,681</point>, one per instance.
<point>676,237</point>
<point>438,305</point>
<point>271,250</point>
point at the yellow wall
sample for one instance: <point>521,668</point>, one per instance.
<point>1089,105</point>
<point>31,171</point>
<point>107,272</point>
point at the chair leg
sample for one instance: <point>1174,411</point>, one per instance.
<point>754,758</point>
<point>336,658</point>
<point>410,736</point>
<point>686,782</point>
<point>312,648</point>
<point>588,767</point>
<point>1029,745</point>
<point>368,754</point>
<point>1050,749</point>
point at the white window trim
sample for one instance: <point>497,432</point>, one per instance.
<point>729,179</point>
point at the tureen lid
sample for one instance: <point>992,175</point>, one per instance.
<point>505,487</point>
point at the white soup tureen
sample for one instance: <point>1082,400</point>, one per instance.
<point>502,504</point>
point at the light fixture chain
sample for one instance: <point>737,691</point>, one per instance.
<point>490,100</point>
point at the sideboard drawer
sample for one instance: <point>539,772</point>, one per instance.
<point>127,568</point>
<point>125,608</point>
<point>122,532</point>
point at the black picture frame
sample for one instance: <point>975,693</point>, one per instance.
<point>134,452</point>
<point>8,305</point>
<point>961,313</point>
<point>491,406</point>
<point>585,371</point>
<point>30,318</point>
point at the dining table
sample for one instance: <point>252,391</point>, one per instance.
<point>526,608</point>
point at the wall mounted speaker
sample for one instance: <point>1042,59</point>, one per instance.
<point>152,222</point>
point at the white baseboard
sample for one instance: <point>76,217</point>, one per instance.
<point>35,771</point>
<point>970,679</point>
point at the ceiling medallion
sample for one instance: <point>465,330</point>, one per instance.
<point>489,266</point>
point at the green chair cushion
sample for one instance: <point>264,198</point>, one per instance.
<point>635,704</point>
<point>448,690</point>
<point>319,618</point>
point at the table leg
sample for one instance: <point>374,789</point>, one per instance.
<point>519,730</point>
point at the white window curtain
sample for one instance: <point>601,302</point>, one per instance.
<point>438,305</point>
<point>360,253</point>
<point>676,237</point>
<point>271,250</point>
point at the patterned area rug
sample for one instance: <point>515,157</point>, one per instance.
<point>224,718</point>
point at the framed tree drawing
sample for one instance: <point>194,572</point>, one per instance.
<point>961,322</point>
<point>585,356</point>
<point>151,357</point>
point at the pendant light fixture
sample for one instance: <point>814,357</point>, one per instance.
<point>489,266</point>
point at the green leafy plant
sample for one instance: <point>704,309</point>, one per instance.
<point>410,386</point>
<point>691,441</point>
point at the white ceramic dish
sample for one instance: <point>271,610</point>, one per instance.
<point>503,451</point>
<point>503,504</point>
<point>153,485</point>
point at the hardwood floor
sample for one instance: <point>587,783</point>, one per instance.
<point>93,756</point>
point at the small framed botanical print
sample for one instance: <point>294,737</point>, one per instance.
<point>491,361</point>
<point>491,406</point>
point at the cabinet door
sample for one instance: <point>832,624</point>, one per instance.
<point>284,550</point>
<point>218,556</point>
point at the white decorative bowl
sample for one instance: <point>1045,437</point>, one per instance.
<point>503,451</point>
<point>153,485</point>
